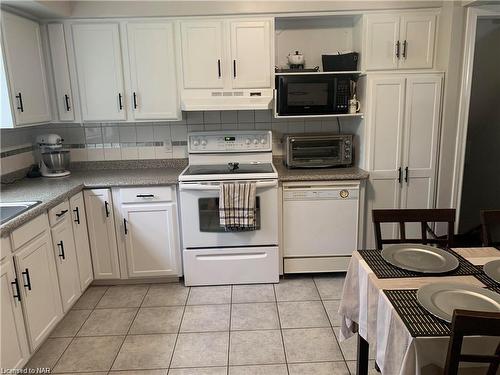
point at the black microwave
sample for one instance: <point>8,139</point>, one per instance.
<point>312,94</point>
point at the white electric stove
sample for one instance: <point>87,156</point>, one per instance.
<point>211,255</point>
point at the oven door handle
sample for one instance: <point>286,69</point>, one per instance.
<point>259,184</point>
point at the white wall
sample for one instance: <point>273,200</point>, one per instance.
<point>481,180</point>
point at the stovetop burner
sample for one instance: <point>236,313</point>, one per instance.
<point>230,168</point>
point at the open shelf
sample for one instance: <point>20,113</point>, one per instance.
<point>359,114</point>
<point>318,73</point>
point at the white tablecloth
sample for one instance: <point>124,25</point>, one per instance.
<point>365,309</point>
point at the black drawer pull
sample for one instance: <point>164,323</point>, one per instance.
<point>400,175</point>
<point>145,195</point>
<point>218,68</point>
<point>406,174</point>
<point>17,294</point>
<point>397,48</point>
<point>120,104</point>
<point>106,208</point>
<point>20,106</point>
<point>66,101</point>
<point>234,68</point>
<point>134,96</point>
<point>405,44</point>
<point>61,213</point>
<point>61,246</point>
<point>77,212</point>
<point>125,226</point>
<point>26,273</point>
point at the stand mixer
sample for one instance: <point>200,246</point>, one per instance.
<point>52,160</point>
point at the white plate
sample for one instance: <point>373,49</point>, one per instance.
<point>492,270</point>
<point>420,258</point>
<point>442,298</point>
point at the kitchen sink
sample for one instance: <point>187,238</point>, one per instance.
<point>9,210</point>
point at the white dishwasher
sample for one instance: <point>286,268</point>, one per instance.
<point>320,225</point>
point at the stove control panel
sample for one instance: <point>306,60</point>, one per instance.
<point>230,141</point>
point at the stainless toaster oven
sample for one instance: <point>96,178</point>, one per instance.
<point>318,150</point>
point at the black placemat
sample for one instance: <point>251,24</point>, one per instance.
<point>487,281</point>
<point>384,270</point>
<point>419,321</point>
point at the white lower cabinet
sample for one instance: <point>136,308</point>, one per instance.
<point>66,262</point>
<point>15,352</point>
<point>79,222</point>
<point>101,227</point>
<point>150,231</point>
<point>40,295</point>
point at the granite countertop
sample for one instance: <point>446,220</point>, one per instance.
<point>318,174</point>
<point>51,192</point>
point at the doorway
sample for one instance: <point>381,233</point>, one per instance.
<point>481,167</point>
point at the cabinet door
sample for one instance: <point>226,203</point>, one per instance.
<point>422,120</point>
<point>417,41</point>
<point>152,71</point>
<point>99,70</point>
<point>386,121</point>
<point>381,38</point>
<point>67,266</point>
<point>40,293</point>
<point>26,69</point>
<point>60,69</point>
<point>100,222</point>
<point>15,351</point>
<point>79,221</point>
<point>250,54</point>
<point>151,239</point>
<point>202,55</point>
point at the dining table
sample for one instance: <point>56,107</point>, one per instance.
<point>379,304</point>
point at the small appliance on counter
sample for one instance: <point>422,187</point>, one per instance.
<point>318,150</point>
<point>52,159</point>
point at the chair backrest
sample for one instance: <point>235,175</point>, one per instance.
<point>472,323</point>
<point>490,223</point>
<point>422,216</point>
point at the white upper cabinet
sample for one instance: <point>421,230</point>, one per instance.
<point>382,38</point>
<point>250,54</point>
<point>100,73</point>
<point>227,54</point>
<point>404,41</point>
<point>60,71</point>
<point>202,54</point>
<point>153,83</point>
<point>417,38</point>
<point>25,78</point>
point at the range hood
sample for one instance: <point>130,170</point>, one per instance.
<point>216,100</point>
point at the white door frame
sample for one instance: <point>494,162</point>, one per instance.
<point>465,91</point>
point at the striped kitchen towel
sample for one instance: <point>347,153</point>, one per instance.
<point>237,208</point>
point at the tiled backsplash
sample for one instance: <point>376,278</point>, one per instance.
<point>129,141</point>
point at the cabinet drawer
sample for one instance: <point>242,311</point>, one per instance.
<point>146,194</point>
<point>58,213</point>
<point>28,231</point>
<point>5,247</point>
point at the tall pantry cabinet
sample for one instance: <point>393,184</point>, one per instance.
<point>404,114</point>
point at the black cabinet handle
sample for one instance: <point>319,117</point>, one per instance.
<point>106,208</point>
<point>405,44</point>
<point>26,273</point>
<point>135,100</point>
<point>145,195</point>
<point>66,101</point>
<point>218,67</point>
<point>125,226</point>
<point>61,213</point>
<point>234,68</point>
<point>120,104</point>
<point>406,174</point>
<point>17,294</point>
<point>20,106</point>
<point>397,49</point>
<point>400,175</point>
<point>61,246</point>
<point>77,212</point>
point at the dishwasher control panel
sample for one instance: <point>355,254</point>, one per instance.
<point>320,194</point>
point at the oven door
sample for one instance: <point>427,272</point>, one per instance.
<point>316,152</point>
<point>200,217</point>
<point>305,94</point>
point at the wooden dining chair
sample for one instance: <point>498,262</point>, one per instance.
<point>472,323</point>
<point>490,227</point>
<point>422,216</point>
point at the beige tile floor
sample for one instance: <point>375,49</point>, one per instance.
<point>288,328</point>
